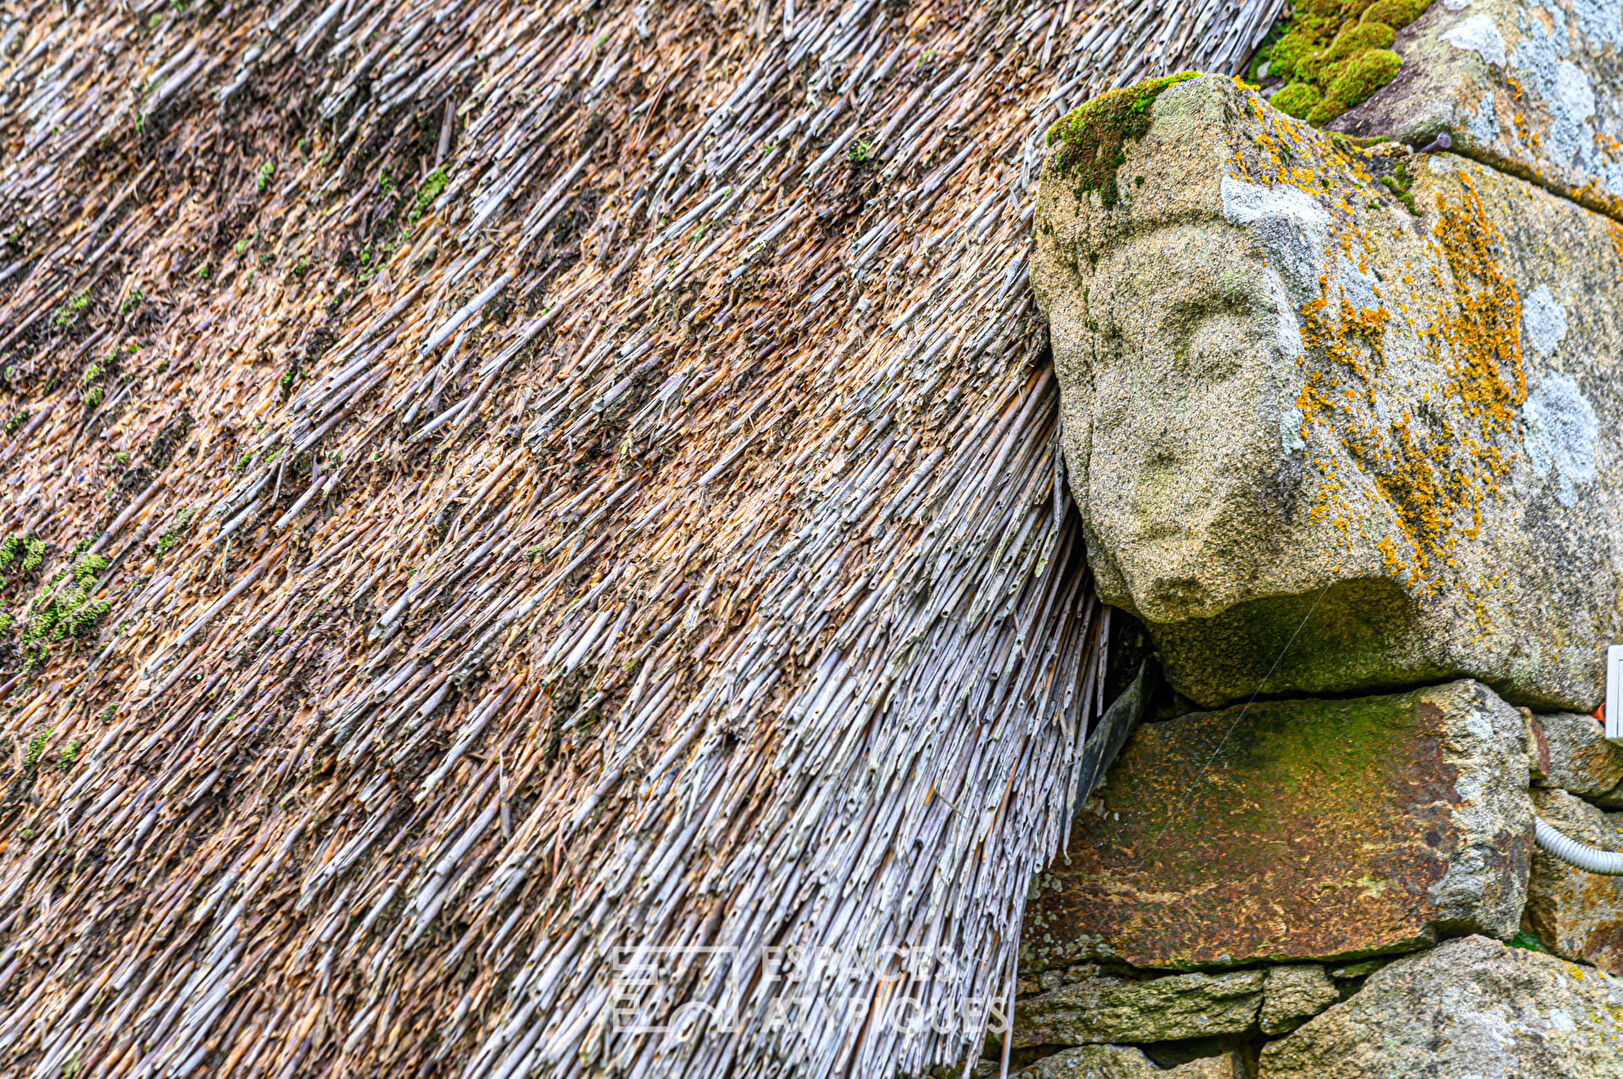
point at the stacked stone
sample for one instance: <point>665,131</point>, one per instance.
<point>1343,420</point>
<point>1301,884</point>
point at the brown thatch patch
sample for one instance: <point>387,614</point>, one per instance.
<point>561,477</point>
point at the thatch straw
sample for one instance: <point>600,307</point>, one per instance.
<point>655,537</point>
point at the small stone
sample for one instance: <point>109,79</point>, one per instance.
<point>1293,994</point>
<point>1359,970</point>
<point>1469,1007</point>
<point>1538,748</point>
<point>1296,830</point>
<point>1582,761</point>
<point>980,1069</point>
<point>1227,1066</point>
<point>1171,1008</point>
<point>1125,1062</point>
<point>1577,915</point>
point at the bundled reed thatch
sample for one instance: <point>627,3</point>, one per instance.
<point>489,484</point>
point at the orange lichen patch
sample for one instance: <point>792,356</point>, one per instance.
<point>1433,464</point>
<point>1617,244</point>
<point>1283,150</point>
<point>1352,340</point>
<point>1597,198</point>
<point>1483,334</point>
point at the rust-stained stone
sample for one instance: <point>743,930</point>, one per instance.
<point>1539,764</point>
<point>1577,915</point>
<point>1301,829</point>
<point>1582,761</point>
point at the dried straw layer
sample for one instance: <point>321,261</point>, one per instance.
<point>488,484</point>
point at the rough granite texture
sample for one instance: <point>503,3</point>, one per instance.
<point>1125,1062</point>
<point>1293,994</point>
<point>1467,1008</point>
<point>1295,830</point>
<point>1534,88</point>
<point>1577,915</point>
<point>1105,1009</point>
<point>1306,425</point>
<point>1582,761</point>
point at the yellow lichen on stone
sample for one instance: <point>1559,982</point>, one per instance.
<point>1432,477</point>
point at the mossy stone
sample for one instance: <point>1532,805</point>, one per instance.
<point>1394,13</point>
<point>1089,141</point>
<point>1341,51</point>
<point>1360,76</point>
<point>1297,99</point>
<point>1359,36</point>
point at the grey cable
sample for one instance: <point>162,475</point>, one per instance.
<point>1575,853</point>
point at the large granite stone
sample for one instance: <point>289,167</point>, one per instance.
<point>1470,1007</point>
<point>1104,1009</point>
<point>1125,1062</point>
<point>1533,88</point>
<point>1322,443</point>
<point>1581,760</point>
<point>1577,915</point>
<point>1293,830</point>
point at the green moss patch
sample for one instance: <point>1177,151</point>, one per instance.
<point>67,611</point>
<point>1089,143</point>
<point>1333,55</point>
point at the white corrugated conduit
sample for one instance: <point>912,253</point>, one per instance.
<point>1575,853</point>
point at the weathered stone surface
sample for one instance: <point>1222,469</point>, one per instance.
<point>1291,830</point>
<point>1538,748</point>
<point>1577,915</point>
<point>1293,994</point>
<point>1106,1009</point>
<point>1306,426</point>
<point>1582,761</point>
<point>1470,1007</point>
<point>1534,87</point>
<point>1125,1062</point>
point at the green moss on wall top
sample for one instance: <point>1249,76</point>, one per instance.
<point>1333,54</point>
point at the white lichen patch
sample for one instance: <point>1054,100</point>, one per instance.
<point>1601,21</point>
<point>1357,285</point>
<point>1553,75</point>
<point>1290,431</point>
<point>1544,322</point>
<point>1484,123</point>
<point>1560,436</point>
<point>1288,225</point>
<point>1481,36</point>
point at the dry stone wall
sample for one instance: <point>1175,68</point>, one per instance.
<point>1344,418</point>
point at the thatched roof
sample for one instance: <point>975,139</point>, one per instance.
<point>554,478</point>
